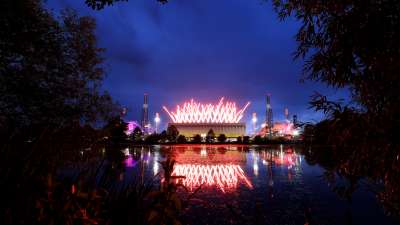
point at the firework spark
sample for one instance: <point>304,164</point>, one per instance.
<point>196,112</point>
<point>225,177</point>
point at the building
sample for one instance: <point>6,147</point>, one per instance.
<point>194,118</point>
<point>145,123</point>
<point>285,128</point>
<point>231,130</point>
<point>268,117</point>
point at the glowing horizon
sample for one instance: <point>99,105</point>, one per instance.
<point>196,112</point>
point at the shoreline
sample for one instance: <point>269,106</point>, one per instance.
<point>215,144</point>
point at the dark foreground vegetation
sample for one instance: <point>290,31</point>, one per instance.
<point>52,109</point>
<point>353,45</point>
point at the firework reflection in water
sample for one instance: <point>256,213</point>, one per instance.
<point>225,177</point>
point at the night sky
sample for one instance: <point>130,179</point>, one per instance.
<point>200,49</point>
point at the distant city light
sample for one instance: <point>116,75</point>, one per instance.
<point>157,120</point>
<point>254,119</point>
<point>255,168</point>
<point>155,168</point>
<point>196,112</point>
<point>126,152</point>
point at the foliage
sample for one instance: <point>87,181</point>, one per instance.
<point>166,205</point>
<point>221,138</point>
<point>258,140</point>
<point>34,192</point>
<point>197,139</point>
<point>357,150</point>
<point>210,136</point>
<point>115,130</point>
<point>354,44</point>
<point>246,139</point>
<point>137,135</point>
<point>152,139</point>
<point>239,140</point>
<point>345,44</point>
<point>181,139</point>
<point>30,190</point>
<point>163,136</point>
<point>172,133</point>
<point>50,70</point>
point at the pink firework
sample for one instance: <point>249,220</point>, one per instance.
<point>196,112</point>
<point>224,177</point>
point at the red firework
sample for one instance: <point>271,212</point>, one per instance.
<point>196,112</point>
<point>225,177</point>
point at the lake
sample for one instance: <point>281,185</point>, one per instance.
<point>238,184</point>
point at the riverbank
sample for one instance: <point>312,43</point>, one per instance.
<point>266,143</point>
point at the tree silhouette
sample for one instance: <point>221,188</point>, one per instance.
<point>115,130</point>
<point>50,70</point>
<point>163,136</point>
<point>152,139</point>
<point>222,138</point>
<point>172,133</point>
<point>354,44</point>
<point>197,139</point>
<point>137,135</point>
<point>181,139</point>
<point>345,44</point>
<point>210,136</point>
<point>258,139</point>
<point>246,139</point>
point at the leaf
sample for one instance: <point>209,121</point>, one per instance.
<point>177,202</point>
<point>152,215</point>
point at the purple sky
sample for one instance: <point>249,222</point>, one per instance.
<point>200,49</point>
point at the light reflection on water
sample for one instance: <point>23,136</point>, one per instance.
<point>235,179</point>
<point>226,177</point>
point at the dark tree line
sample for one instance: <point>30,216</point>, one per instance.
<point>354,44</point>
<point>50,70</point>
<point>50,100</point>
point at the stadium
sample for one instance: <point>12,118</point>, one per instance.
<point>194,118</point>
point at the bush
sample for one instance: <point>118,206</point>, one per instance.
<point>181,139</point>
<point>222,138</point>
<point>246,139</point>
<point>197,139</point>
<point>258,140</point>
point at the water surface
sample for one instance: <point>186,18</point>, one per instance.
<point>248,185</point>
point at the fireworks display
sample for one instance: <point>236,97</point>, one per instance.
<point>196,112</point>
<point>225,177</point>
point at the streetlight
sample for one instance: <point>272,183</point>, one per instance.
<point>157,121</point>
<point>254,120</point>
